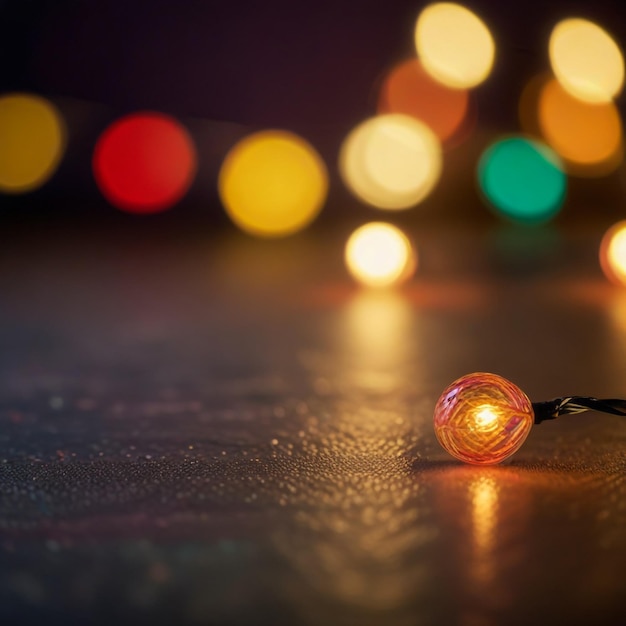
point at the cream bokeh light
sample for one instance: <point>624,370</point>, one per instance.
<point>454,45</point>
<point>391,161</point>
<point>32,142</point>
<point>586,60</point>
<point>273,183</point>
<point>380,255</point>
<point>613,253</point>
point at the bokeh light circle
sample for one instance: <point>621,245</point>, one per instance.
<point>273,183</point>
<point>32,142</point>
<point>588,136</point>
<point>144,162</point>
<point>482,418</point>
<point>523,179</point>
<point>409,89</point>
<point>613,253</point>
<point>391,161</point>
<point>586,60</point>
<point>454,45</point>
<point>380,255</point>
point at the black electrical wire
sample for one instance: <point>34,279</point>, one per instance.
<point>568,405</point>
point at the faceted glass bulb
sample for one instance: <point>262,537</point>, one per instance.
<point>482,418</point>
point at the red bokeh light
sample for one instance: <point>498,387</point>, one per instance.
<point>144,162</point>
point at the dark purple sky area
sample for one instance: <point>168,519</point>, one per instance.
<point>279,62</point>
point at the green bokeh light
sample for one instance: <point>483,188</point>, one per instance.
<point>523,179</point>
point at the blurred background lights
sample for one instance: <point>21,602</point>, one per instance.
<point>32,142</point>
<point>144,162</point>
<point>586,60</point>
<point>273,183</point>
<point>409,89</point>
<point>587,135</point>
<point>454,45</point>
<point>613,253</point>
<point>391,161</point>
<point>380,255</point>
<point>523,179</point>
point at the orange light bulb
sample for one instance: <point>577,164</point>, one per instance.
<point>483,418</point>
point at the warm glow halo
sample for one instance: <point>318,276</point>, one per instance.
<point>379,255</point>
<point>454,45</point>
<point>391,161</point>
<point>586,60</point>
<point>613,253</point>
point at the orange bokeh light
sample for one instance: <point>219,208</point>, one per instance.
<point>409,89</point>
<point>587,136</point>
<point>583,133</point>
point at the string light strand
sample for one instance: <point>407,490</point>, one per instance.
<point>551,409</point>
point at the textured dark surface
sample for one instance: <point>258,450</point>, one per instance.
<point>209,431</point>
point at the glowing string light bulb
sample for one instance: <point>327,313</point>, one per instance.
<point>483,419</point>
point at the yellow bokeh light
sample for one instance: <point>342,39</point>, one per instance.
<point>391,161</point>
<point>273,183</point>
<point>454,45</point>
<point>32,141</point>
<point>613,253</point>
<point>586,60</point>
<point>380,255</point>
